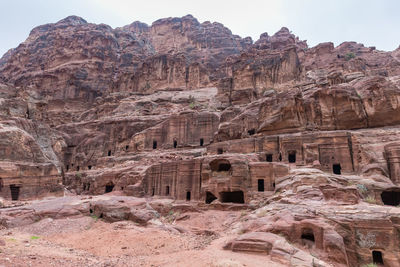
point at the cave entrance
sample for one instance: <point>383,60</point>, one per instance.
<point>233,197</point>
<point>292,156</point>
<point>126,148</point>
<point>268,157</point>
<point>109,153</point>
<point>1,184</point>
<point>14,191</point>
<point>251,131</point>
<point>390,198</point>
<point>260,183</point>
<point>109,187</point>
<point>201,141</point>
<point>175,143</point>
<point>152,191</point>
<point>188,195</point>
<point>210,197</point>
<point>377,257</point>
<point>89,167</point>
<point>224,167</point>
<point>154,144</point>
<point>308,235</point>
<point>220,151</point>
<point>220,165</point>
<point>336,169</point>
<point>167,190</point>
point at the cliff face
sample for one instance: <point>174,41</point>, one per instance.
<point>73,59</point>
<point>187,110</point>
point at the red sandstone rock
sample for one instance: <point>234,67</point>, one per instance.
<point>185,117</point>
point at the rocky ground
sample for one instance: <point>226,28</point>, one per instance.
<point>176,239</point>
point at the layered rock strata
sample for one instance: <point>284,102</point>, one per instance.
<point>305,138</point>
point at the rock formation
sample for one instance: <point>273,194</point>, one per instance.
<point>305,139</point>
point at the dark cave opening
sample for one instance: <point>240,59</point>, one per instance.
<point>210,197</point>
<point>336,169</point>
<point>251,131</point>
<point>14,191</point>
<point>233,197</point>
<point>260,185</point>
<point>109,187</point>
<point>308,234</point>
<point>391,198</point>
<point>167,190</point>
<point>377,257</point>
<point>224,167</point>
<point>220,165</point>
<point>292,156</point>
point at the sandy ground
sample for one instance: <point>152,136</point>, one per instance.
<point>88,241</point>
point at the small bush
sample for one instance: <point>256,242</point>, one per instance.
<point>171,217</point>
<point>370,200</point>
<point>362,188</point>
<point>94,217</point>
<point>34,237</point>
<point>349,56</point>
<point>370,265</point>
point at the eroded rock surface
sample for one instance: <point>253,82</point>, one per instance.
<point>293,150</point>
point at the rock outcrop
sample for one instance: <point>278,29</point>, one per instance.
<point>187,116</point>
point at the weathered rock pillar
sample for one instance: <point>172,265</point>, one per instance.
<point>392,155</point>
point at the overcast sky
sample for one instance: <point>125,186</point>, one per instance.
<point>371,22</point>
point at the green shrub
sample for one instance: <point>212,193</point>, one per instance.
<point>349,56</point>
<point>34,237</point>
<point>370,265</point>
<point>192,102</point>
<point>94,217</point>
<point>362,188</point>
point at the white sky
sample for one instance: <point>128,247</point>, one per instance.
<point>371,22</point>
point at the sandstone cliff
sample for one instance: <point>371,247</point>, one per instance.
<point>305,137</point>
